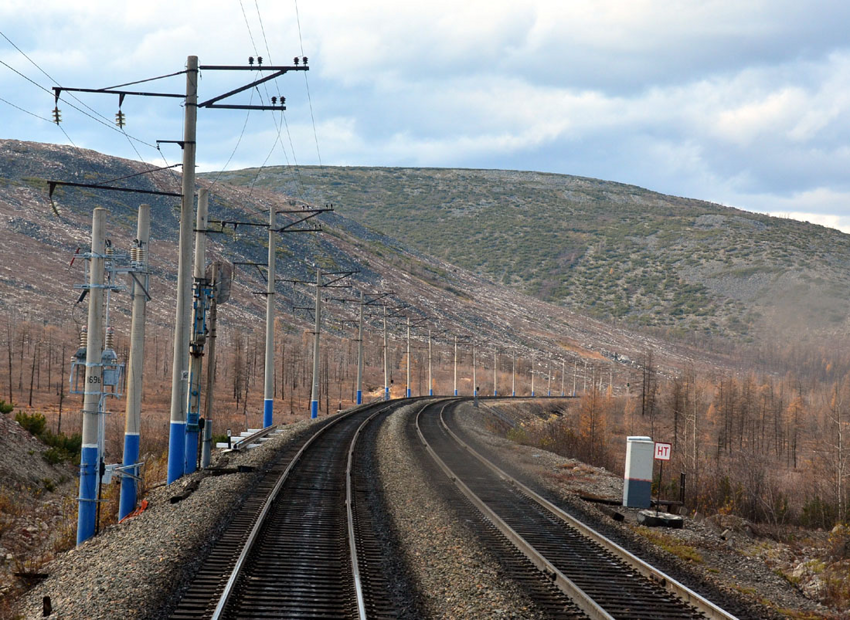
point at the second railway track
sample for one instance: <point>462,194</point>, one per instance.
<point>604,582</point>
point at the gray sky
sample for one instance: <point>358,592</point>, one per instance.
<point>741,102</point>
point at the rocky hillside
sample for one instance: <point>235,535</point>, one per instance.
<point>37,280</point>
<point>604,249</point>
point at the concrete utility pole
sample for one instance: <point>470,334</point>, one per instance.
<point>138,293</point>
<point>455,364</point>
<point>206,447</point>
<point>563,366</point>
<point>474,380</point>
<point>314,396</point>
<point>532,374</point>
<point>89,457</point>
<point>360,353</point>
<point>180,363</point>
<point>575,376</point>
<point>584,388</point>
<point>430,382</point>
<point>549,377</point>
<point>386,361</point>
<point>407,389</point>
<point>513,374</point>
<point>495,369</point>
<point>199,336</point>
<point>268,384</point>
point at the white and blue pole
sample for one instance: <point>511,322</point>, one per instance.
<point>89,457</point>
<point>474,376</point>
<point>563,378</point>
<point>532,374</point>
<point>386,361</point>
<point>455,364</point>
<point>513,374</point>
<point>180,362</point>
<point>407,388</point>
<point>127,502</point>
<point>268,385</point>
<point>430,382</point>
<point>360,354</point>
<point>549,377</point>
<point>314,396</point>
<point>495,369</point>
<point>199,332</point>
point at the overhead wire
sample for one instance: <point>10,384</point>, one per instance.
<point>106,121</point>
<point>307,85</point>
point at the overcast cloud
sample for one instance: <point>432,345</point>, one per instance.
<point>742,102</point>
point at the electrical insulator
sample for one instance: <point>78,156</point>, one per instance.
<point>141,258</point>
<point>134,255</point>
<point>296,61</point>
<point>57,116</point>
<point>274,100</point>
<point>304,60</point>
<point>259,60</point>
<point>120,119</point>
<point>84,338</point>
<point>251,60</point>
<point>110,338</point>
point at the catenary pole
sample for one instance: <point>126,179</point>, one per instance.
<point>386,361</point>
<point>179,375</point>
<point>474,379</point>
<point>513,374</point>
<point>549,377</point>
<point>89,457</point>
<point>314,396</point>
<point>430,383</point>
<point>132,423</point>
<point>532,374</point>
<point>563,377</point>
<point>495,367</point>
<point>199,336</point>
<point>268,385</point>
<point>407,389</point>
<point>455,364</point>
<point>360,353</point>
<point>206,448</point>
<point>575,375</point>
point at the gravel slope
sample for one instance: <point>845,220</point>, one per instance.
<point>137,568</point>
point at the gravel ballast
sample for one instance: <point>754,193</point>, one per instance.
<point>458,578</point>
<point>745,582</point>
<point>137,569</point>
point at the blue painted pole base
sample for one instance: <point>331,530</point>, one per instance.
<point>268,412</point>
<point>314,409</point>
<point>176,450</point>
<point>359,397</point>
<point>407,391</point>
<point>127,503</point>
<point>191,453</point>
<point>87,511</point>
<point>532,393</point>
<point>495,393</point>
<point>455,392</point>
<point>430,392</point>
<point>513,394</point>
<point>549,393</point>
<point>386,393</point>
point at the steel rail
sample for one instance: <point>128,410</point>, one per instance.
<point>702,604</point>
<point>349,503</point>
<point>579,597</point>
<point>252,537</point>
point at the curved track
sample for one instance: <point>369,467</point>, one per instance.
<point>289,552</point>
<point>604,580</point>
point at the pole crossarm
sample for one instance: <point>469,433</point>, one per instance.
<point>57,91</point>
<point>253,264</point>
<point>307,214</point>
<point>278,71</point>
<point>52,185</point>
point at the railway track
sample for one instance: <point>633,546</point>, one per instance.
<point>302,544</point>
<point>604,580</point>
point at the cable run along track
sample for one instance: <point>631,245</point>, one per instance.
<point>603,579</point>
<point>302,545</point>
